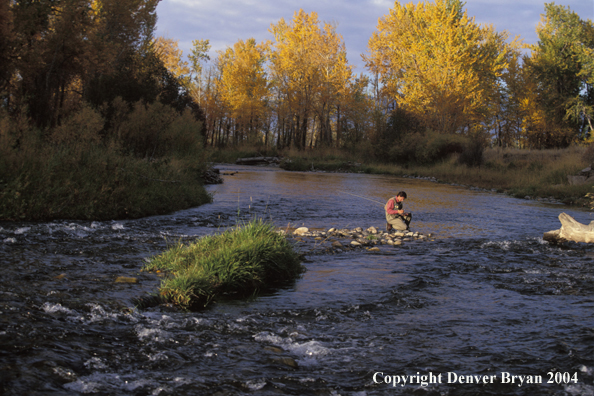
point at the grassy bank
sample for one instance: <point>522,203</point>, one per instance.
<point>99,184</point>
<point>80,170</point>
<point>238,262</point>
<point>520,173</point>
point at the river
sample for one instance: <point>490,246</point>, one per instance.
<point>485,303</point>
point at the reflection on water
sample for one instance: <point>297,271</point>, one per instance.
<point>487,296</point>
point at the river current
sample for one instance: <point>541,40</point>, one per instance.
<point>485,308</point>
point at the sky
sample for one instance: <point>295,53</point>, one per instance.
<point>223,22</point>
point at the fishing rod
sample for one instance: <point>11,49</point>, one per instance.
<point>360,196</point>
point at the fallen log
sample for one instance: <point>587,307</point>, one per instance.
<point>257,161</point>
<point>571,230</point>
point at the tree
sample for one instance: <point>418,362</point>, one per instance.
<point>438,63</point>
<point>244,86</point>
<point>62,47</point>
<point>7,41</point>
<point>198,55</point>
<point>167,50</point>
<point>562,64</point>
<point>310,74</point>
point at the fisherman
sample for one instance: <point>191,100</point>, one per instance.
<point>395,216</point>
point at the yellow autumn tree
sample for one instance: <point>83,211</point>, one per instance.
<point>437,63</point>
<point>170,54</point>
<point>310,73</point>
<point>244,87</point>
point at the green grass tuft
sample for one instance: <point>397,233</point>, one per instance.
<point>236,263</point>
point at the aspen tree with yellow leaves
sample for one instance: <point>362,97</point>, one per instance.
<point>311,76</point>
<point>168,52</point>
<point>244,88</point>
<point>437,63</point>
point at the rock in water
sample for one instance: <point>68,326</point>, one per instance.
<point>285,361</point>
<point>301,231</point>
<point>126,279</point>
<point>571,230</point>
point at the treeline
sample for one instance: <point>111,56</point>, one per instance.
<point>92,123</point>
<point>430,70</point>
<point>100,119</point>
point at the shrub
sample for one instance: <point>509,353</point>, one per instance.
<point>83,127</point>
<point>73,173</point>
<point>426,148</point>
<point>588,155</point>
<point>472,152</point>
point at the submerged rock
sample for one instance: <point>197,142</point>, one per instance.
<point>285,361</point>
<point>126,279</point>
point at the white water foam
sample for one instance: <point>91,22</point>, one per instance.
<point>156,335</point>
<point>255,385</point>
<point>579,389</point>
<point>10,240</point>
<point>106,382</point>
<point>95,363</point>
<point>158,357</point>
<point>272,338</point>
<point>55,308</point>
<point>98,315</point>
<point>309,351</point>
<point>22,230</point>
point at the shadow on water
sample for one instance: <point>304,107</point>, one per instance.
<point>487,297</point>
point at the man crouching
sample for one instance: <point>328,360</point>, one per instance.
<point>395,215</point>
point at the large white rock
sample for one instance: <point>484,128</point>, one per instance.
<point>571,230</point>
<point>301,231</point>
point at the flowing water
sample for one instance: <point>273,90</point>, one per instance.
<point>486,302</point>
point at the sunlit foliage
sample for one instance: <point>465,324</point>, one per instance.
<point>438,63</point>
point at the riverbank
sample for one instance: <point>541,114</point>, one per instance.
<point>82,170</point>
<point>534,174</point>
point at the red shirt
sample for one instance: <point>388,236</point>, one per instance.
<point>392,207</point>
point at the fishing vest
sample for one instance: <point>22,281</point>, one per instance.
<point>397,205</point>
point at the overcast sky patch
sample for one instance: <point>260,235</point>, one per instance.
<point>224,22</point>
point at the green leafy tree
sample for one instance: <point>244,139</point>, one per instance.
<point>562,64</point>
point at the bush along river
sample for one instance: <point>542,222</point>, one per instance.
<point>481,307</point>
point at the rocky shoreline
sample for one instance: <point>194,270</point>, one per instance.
<point>339,240</point>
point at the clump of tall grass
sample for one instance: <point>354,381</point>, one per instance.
<point>239,262</point>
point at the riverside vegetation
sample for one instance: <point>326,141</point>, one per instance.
<point>99,119</point>
<point>520,173</point>
<point>92,123</point>
<point>241,261</point>
<point>81,171</point>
